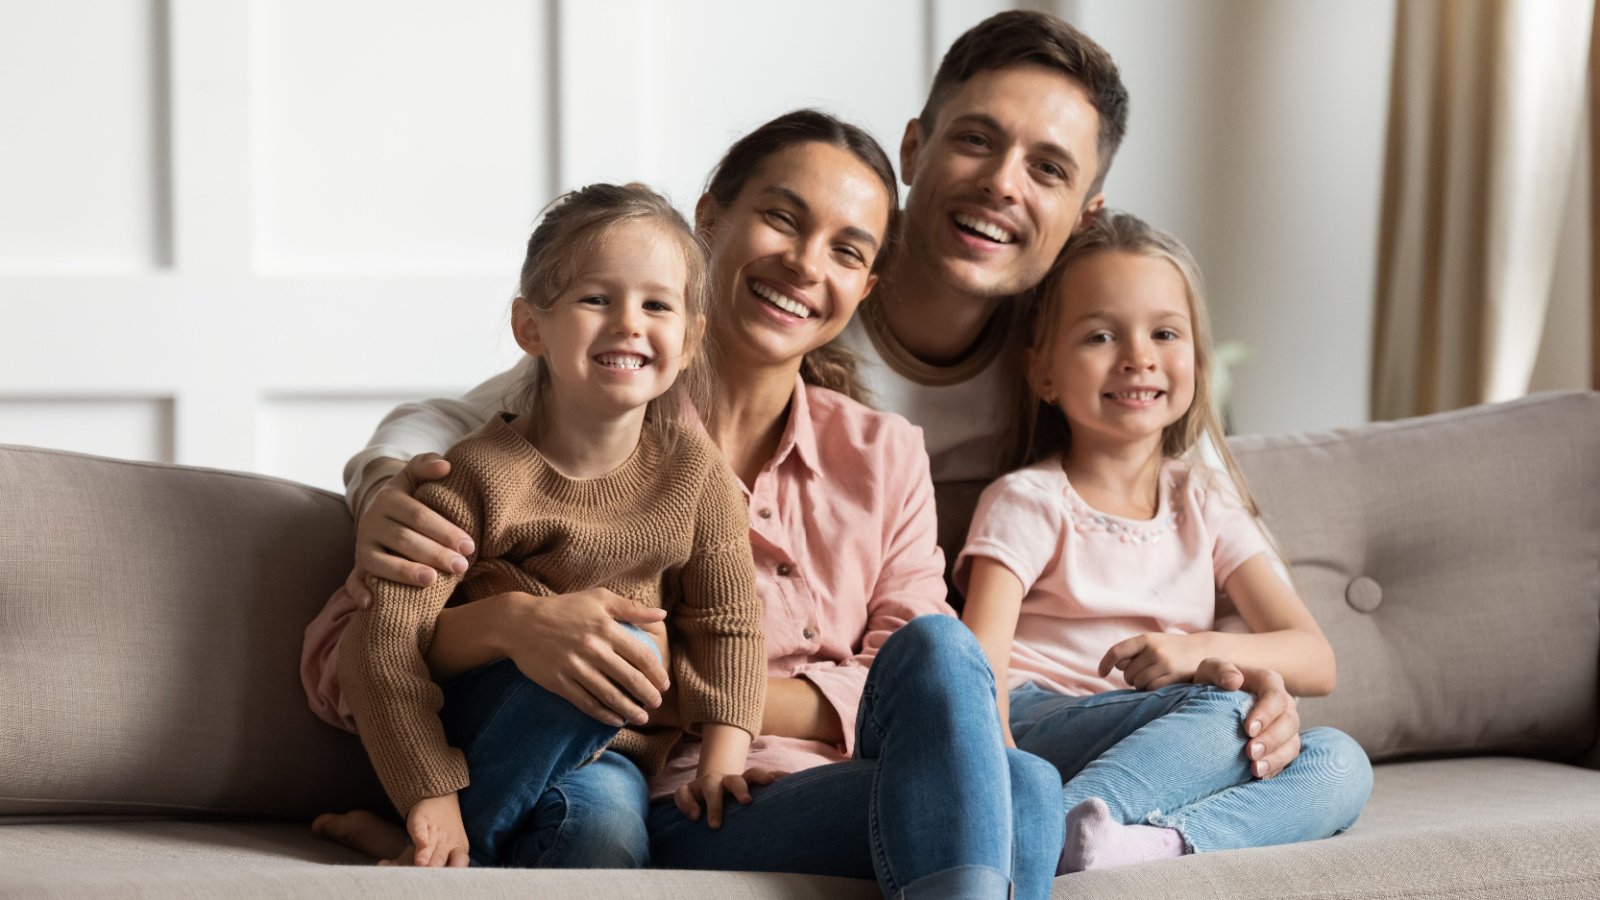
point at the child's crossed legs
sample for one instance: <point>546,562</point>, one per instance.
<point>1174,758</point>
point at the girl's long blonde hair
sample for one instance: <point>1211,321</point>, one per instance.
<point>1039,429</point>
<point>571,225</point>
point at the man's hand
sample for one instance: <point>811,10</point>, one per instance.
<point>400,539</point>
<point>1273,725</point>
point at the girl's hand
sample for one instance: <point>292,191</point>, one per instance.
<point>437,833</point>
<point>709,788</point>
<point>1154,660</point>
<point>401,539</point>
<point>761,775</point>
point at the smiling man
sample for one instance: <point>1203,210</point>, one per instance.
<point>1004,163</point>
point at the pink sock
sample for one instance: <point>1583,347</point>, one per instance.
<point>1095,840</point>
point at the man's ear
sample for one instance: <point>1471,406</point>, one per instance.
<point>707,213</point>
<point>910,143</point>
<point>525,327</point>
<point>1091,209</point>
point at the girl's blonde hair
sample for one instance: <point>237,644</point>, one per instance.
<point>1039,429</point>
<point>571,226</point>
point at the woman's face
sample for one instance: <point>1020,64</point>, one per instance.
<point>791,256</point>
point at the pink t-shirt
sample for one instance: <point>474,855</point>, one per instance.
<point>1095,579</point>
<point>842,528</point>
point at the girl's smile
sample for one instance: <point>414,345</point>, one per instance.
<point>613,340</point>
<point>1121,364</point>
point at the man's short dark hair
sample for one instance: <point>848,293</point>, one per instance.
<point>1020,37</point>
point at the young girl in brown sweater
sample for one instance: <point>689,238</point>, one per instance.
<point>596,486</point>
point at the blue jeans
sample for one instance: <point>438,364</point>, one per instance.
<point>542,795</point>
<point>1175,757</point>
<point>933,805</point>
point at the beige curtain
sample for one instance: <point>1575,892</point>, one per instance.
<point>1594,203</point>
<point>1487,100</point>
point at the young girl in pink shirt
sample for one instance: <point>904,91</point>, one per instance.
<point>1092,577</point>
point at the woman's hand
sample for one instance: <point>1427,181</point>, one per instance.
<point>401,539</point>
<point>667,715</point>
<point>1154,660</point>
<point>574,645</point>
<point>1273,724</point>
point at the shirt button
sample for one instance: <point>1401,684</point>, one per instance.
<point>809,634</point>
<point>783,569</point>
<point>765,513</point>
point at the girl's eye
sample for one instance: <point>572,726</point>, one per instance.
<point>1099,337</point>
<point>658,306</point>
<point>593,300</point>
<point>781,218</point>
<point>1166,334</point>
<point>856,257</point>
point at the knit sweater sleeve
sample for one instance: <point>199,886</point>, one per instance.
<point>382,667</point>
<point>721,669</point>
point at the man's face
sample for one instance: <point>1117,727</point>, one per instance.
<point>1000,179</point>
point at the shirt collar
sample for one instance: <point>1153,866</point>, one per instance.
<point>799,436</point>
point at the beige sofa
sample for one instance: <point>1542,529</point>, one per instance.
<point>154,741</point>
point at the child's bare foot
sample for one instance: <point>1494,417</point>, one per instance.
<point>363,832</point>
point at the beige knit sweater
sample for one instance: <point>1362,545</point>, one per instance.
<point>667,532</point>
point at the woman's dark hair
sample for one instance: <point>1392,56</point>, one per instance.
<point>830,366</point>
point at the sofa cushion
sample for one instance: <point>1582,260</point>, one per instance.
<point>1454,563</point>
<point>1479,829</point>
<point>150,625</point>
<point>245,860</point>
<point>1460,829</point>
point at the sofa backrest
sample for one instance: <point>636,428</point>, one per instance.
<point>150,627</point>
<point>1454,563</point>
<point>151,616</point>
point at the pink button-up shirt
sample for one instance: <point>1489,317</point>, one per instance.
<point>842,529</point>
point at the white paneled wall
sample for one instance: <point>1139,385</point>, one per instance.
<point>1257,137</point>
<point>82,184</point>
<point>235,232</point>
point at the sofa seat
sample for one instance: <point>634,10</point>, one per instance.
<point>1472,829</point>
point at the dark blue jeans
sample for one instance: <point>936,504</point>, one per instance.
<point>934,805</point>
<point>540,797</point>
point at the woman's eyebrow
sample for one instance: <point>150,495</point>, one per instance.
<point>851,231</point>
